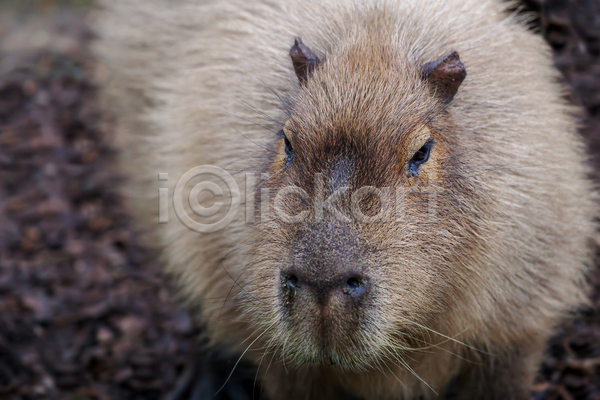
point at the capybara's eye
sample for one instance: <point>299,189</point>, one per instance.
<point>419,158</point>
<point>288,150</point>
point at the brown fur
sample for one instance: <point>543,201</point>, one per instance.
<point>491,243</point>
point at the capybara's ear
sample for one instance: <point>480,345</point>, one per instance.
<point>303,59</point>
<point>445,75</point>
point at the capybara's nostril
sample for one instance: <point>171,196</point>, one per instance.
<point>289,286</point>
<point>355,287</point>
<point>353,283</point>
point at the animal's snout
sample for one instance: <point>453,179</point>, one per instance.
<point>321,288</point>
<point>328,265</point>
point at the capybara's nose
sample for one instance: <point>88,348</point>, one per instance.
<point>328,267</point>
<point>349,286</point>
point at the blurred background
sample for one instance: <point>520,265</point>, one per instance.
<point>84,310</point>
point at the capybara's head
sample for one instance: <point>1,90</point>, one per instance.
<point>372,215</point>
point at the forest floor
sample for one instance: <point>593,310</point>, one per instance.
<point>84,310</point>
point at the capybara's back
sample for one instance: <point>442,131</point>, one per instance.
<point>384,199</point>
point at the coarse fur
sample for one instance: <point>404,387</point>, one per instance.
<point>494,233</point>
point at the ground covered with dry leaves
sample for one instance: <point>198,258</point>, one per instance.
<point>84,310</point>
